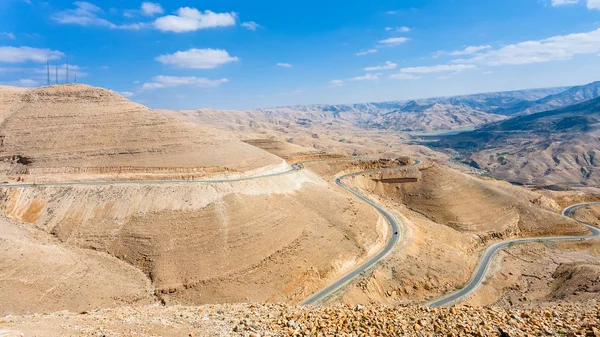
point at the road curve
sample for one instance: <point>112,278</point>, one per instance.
<point>394,238</point>
<point>320,295</point>
<point>485,261</point>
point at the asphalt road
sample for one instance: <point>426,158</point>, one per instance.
<point>394,238</point>
<point>484,264</point>
<point>294,167</point>
<point>322,294</point>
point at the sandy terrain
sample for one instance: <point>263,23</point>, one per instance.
<point>275,239</point>
<point>40,274</point>
<point>75,129</point>
<point>452,218</point>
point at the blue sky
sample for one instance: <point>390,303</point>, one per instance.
<point>249,54</point>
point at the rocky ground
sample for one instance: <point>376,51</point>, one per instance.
<point>582,319</point>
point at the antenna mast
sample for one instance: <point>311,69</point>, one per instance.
<point>56,72</point>
<point>48,69</point>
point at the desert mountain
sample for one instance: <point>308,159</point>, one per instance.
<point>430,117</point>
<point>75,128</point>
<point>424,115</point>
<point>565,98</point>
<point>552,147</point>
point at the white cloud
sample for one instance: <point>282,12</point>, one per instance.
<point>284,65</point>
<point>87,14</point>
<point>197,58</point>
<point>593,4</point>
<point>161,82</point>
<point>367,77</point>
<point>190,19</point>
<point>250,25</point>
<point>391,12</point>
<point>489,72</point>
<point>440,68</point>
<point>467,51</point>
<point>24,54</point>
<point>560,47</point>
<point>402,29</point>
<point>105,67</point>
<point>556,3</point>
<point>136,82</point>
<point>388,65</point>
<point>366,52</point>
<point>394,41</point>
<point>28,83</point>
<point>403,76</point>
<point>336,83</point>
<point>151,9</point>
<point>126,94</point>
<point>8,35</point>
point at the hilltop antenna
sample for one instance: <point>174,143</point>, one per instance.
<point>48,69</point>
<point>56,72</point>
<point>67,79</point>
<point>75,78</point>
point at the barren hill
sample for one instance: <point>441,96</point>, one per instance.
<point>431,117</point>
<point>79,128</point>
<point>565,98</point>
<point>557,147</point>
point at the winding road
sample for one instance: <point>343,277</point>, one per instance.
<point>394,238</point>
<point>395,229</point>
<point>484,263</point>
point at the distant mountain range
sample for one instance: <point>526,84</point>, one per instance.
<point>567,97</point>
<point>449,113</point>
<point>556,147</point>
<point>424,115</point>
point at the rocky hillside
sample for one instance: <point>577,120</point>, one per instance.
<point>546,148</point>
<point>431,117</point>
<point>565,98</point>
<point>72,128</point>
<point>257,320</point>
<point>422,115</point>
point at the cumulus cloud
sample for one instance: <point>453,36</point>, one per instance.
<point>467,51</point>
<point>366,52</point>
<point>25,54</point>
<point>190,19</point>
<point>126,94</point>
<point>560,47</point>
<point>593,4</point>
<point>403,76</point>
<point>250,25</point>
<point>388,65</point>
<point>87,14</point>
<point>161,82</point>
<point>284,65</point>
<point>393,41</point>
<point>151,9</point>
<point>197,58</point>
<point>440,68</point>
